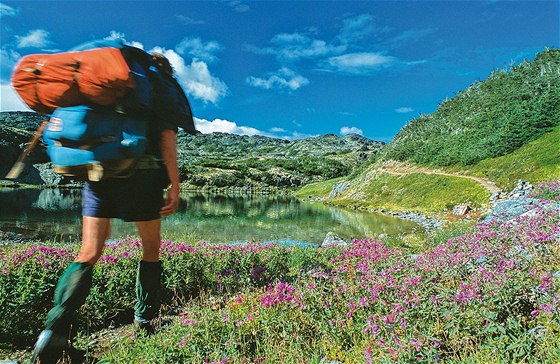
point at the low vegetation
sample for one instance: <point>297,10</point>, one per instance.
<point>427,193</point>
<point>538,160</point>
<point>489,119</point>
<point>223,160</point>
<point>490,294</point>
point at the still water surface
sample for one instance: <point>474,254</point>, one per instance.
<point>54,214</point>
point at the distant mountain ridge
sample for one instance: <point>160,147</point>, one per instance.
<point>225,160</point>
<point>217,159</point>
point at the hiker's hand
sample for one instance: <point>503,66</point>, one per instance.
<point>172,201</point>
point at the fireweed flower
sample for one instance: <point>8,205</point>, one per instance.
<point>184,341</point>
<point>280,293</point>
<point>390,295</point>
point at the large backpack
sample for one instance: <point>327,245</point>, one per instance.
<point>100,133</point>
<point>94,144</point>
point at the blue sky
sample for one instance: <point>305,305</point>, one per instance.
<point>293,69</point>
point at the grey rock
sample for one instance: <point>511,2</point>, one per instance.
<point>461,210</point>
<point>10,238</point>
<point>57,200</point>
<point>521,190</point>
<point>509,209</point>
<point>332,239</point>
<point>47,174</point>
<point>327,361</point>
<point>338,188</point>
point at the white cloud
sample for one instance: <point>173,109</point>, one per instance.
<point>281,79</point>
<point>8,59</point>
<point>358,63</point>
<point>9,99</point>
<point>114,35</point>
<point>412,34</point>
<point>199,49</point>
<point>356,28</point>
<point>347,52</point>
<point>238,6</point>
<point>6,10</point>
<point>195,78</point>
<point>201,84</point>
<point>294,46</point>
<point>345,130</point>
<point>187,20</point>
<point>37,38</point>
<point>404,110</point>
<point>225,126</point>
<point>136,44</point>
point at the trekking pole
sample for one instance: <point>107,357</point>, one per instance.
<point>19,164</point>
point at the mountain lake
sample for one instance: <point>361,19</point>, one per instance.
<point>54,215</point>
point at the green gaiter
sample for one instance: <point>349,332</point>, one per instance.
<point>147,291</point>
<point>70,294</point>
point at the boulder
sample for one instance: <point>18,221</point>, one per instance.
<point>461,210</point>
<point>521,190</point>
<point>507,210</point>
<point>338,188</point>
<point>332,239</point>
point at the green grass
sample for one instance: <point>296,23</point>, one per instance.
<point>535,162</point>
<point>318,189</point>
<point>416,191</point>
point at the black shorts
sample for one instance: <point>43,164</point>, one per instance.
<point>135,198</point>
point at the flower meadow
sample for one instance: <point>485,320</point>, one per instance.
<point>489,295</point>
<point>549,190</point>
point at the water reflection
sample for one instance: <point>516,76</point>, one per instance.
<point>54,214</point>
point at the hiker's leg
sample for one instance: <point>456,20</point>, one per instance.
<point>95,231</point>
<point>150,233</point>
<point>71,292</point>
<point>149,273</point>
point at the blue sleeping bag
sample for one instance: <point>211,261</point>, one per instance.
<point>94,144</point>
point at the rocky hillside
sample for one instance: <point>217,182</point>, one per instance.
<point>232,160</point>
<point>471,151</point>
<point>218,159</point>
<point>16,129</point>
<point>489,119</point>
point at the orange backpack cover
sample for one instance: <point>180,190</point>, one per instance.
<point>48,81</point>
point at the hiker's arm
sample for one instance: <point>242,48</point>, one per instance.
<point>169,155</point>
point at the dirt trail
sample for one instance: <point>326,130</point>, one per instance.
<point>403,168</point>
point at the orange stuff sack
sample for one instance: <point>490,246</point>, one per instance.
<point>103,76</point>
<point>46,81</point>
<point>49,81</point>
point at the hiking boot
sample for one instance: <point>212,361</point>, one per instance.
<point>145,328</point>
<point>49,347</point>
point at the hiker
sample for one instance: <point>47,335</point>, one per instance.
<point>139,199</point>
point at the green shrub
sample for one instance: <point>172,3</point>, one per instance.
<point>489,119</point>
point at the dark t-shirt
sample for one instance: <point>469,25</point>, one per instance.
<point>154,135</point>
<point>171,111</point>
